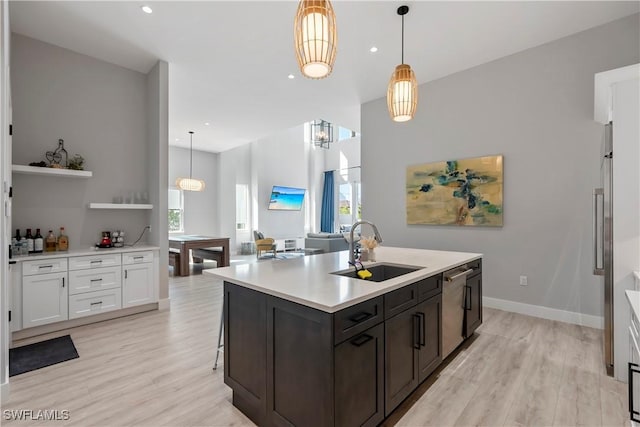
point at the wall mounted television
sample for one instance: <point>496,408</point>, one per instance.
<point>286,198</point>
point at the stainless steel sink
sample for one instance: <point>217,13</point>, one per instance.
<point>380,272</point>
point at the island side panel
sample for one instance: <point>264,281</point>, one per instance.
<point>245,320</point>
<point>300,368</point>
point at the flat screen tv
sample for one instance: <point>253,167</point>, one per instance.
<point>286,198</point>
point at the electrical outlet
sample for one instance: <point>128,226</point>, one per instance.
<point>523,281</point>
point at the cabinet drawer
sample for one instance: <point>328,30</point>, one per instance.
<point>94,279</point>
<point>91,303</point>
<point>137,257</point>
<point>476,265</point>
<point>94,261</point>
<point>429,287</point>
<point>399,300</point>
<point>353,320</point>
<point>44,266</point>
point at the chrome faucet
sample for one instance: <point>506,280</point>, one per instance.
<point>378,237</point>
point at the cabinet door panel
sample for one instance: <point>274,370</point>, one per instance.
<point>473,316</point>
<point>359,382</point>
<point>401,358</point>
<point>300,369</point>
<point>430,354</point>
<point>137,285</point>
<point>44,299</point>
<point>245,321</point>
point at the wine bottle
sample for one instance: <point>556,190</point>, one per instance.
<point>38,242</point>
<point>29,238</point>
<point>50,242</point>
<point>63,241</point>
<point>18,237</point>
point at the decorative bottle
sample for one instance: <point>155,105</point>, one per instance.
<point>29,238</point>
<point>50,242</point>
<point>18,237</point>
<point>38,242</point>
<point>63,240</point>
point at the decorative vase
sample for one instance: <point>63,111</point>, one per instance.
<point>372,255</point>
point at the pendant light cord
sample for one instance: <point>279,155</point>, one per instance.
<point>402,62</point>
<point>191,151</point>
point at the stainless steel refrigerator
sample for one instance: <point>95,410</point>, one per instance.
<point>603,240</point>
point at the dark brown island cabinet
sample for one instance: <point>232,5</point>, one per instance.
<point>292,365</point>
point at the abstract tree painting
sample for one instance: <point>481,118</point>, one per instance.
<point>456,192</point>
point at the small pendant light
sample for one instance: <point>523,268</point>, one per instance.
<point>190,184</point>
<point>315,38</point>
<point>402,94</point>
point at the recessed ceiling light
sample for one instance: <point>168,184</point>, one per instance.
<point>291,77</point>
<point>147,9</point>
<point>206,124</point>
<point>373,49</point>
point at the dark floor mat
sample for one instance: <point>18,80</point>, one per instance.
<point>38,355</point>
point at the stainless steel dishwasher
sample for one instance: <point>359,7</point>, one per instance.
<point>453,306</point>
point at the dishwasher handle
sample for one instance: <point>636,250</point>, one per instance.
<point>458,275</point>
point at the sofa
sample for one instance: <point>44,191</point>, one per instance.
<point>328,242</point>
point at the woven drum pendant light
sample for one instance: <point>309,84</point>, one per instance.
<point>402,94</point>
<point>315,38</point>
<point>190,184</point>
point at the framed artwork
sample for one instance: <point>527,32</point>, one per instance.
<point>456,192</point>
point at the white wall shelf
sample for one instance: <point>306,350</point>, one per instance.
<point>36,170</point>
<point>119,206</point>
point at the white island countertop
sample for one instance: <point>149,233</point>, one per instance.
<point>307,280</point>
<point>83,252</point>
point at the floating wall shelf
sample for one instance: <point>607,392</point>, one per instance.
<point>35,170</point>
<point>119,206</point>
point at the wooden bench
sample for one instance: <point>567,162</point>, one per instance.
<point>214,254</point>
<point>174,261</point>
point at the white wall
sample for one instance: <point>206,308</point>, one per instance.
<point>99,109</point>
<point>535,108</point>
<point>280,160</point>
<point>200,208</point>
<point>235,168</point>
<point>157,146</point>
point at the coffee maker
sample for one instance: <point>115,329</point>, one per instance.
<point>105,241</point>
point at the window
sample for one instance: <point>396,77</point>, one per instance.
<point>176,211</point>
<point>242,207</point>
<point>349,203</point>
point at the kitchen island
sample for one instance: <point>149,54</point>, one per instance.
<point>306,347</point>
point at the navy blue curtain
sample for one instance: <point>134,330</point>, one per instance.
<point>328,211</point>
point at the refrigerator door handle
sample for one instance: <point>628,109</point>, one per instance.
<point>598,264</point>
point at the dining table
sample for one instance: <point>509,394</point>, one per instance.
<point>186,242</point>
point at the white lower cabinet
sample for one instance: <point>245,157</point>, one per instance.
<point>137,284</point>
<point>44,299</point>
<point>56,289</point>
<point>90,303</point>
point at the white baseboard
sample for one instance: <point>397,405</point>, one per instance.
<point>588,320</point>
<point>4,392</point>
<point>164,304</point>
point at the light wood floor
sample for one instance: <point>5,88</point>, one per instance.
<point>154,369</point>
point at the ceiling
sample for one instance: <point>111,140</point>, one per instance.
<point>229,61</point>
